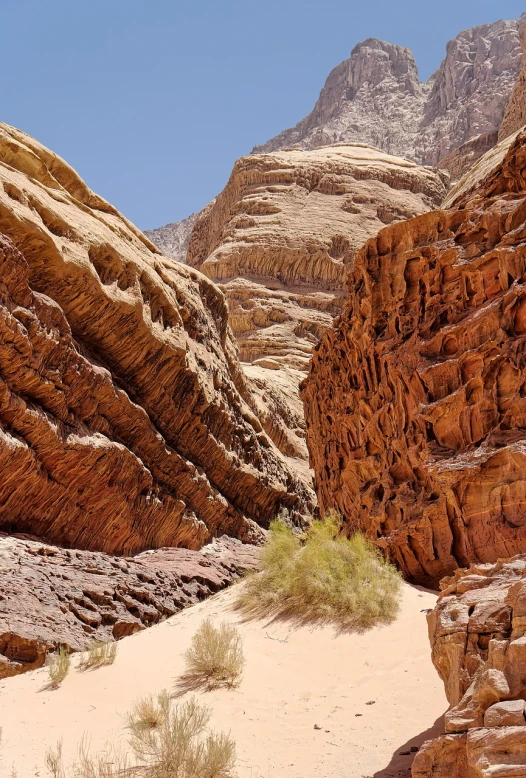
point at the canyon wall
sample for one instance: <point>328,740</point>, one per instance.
<point>278,240</point>
<point>125,418</point>
<point>415,399</point>
<point>376,97</point>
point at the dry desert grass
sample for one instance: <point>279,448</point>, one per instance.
<point>323,577</point>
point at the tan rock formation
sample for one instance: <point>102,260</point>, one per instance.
<point>478,637</point>
<point>415,399</point>
<point>123,423</point>
<point>515,115</point>
<point>278,239</point>
<point>51,596</point>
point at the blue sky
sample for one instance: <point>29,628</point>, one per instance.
<point>152,101</point>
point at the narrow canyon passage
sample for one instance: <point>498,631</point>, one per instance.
<point>374,695</point>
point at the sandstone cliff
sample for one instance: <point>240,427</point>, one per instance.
<point>376,97</point>
<point>123,418</point>
<point>415,400</point>
<point>478,637</point>
<point>278,239</point>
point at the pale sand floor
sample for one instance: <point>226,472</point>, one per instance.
<point>294,679</point>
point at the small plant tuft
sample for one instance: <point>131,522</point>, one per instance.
<point>215,657</point>
<point>58,667</point>
<point>323,577</point>
<point>98,654</point>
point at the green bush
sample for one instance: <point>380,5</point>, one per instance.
<point>323,577</point>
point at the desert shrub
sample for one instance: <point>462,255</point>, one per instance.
<point>168,741</point>
<point>148,712</point>
<point>58,667</point>
<point>177,746</point>
<point>98,654</point>
<point>215,657</point>
<point>322,577</point>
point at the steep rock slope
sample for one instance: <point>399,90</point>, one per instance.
<point>376,97</point>
<point>172,239</point>
<point>415,400</point>
<point>278,239</point>
<point>52,596</point>
<point>123,424</point>
<point>478,636</point>
<point>515,115</point>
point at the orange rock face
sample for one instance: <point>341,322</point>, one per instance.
<point>125,421</point>
<point>416,399</point>
<point>478,636</point>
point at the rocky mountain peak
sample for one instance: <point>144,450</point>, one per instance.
<point>376,96</point>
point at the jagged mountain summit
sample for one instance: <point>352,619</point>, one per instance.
<point>172,239</point>
<point>376,97</point>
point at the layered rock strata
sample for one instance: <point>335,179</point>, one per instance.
<point>125,421</point>
<point>415,399</point>
<point>52,597</point>
<point>478,637</point>
<point>278,240</point>
<point>376,97</point>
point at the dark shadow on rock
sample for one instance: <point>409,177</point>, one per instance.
<point>402,759</point>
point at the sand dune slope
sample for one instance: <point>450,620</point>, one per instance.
<point>294,679</point>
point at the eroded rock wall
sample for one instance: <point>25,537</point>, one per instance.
<point>123,418</point>
<point>478,637</point>
<point>278,240</point>
<point>415,400</point>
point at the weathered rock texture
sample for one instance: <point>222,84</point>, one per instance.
<point>415,401</point>
<point>478,637</point>
<point>172,239</point>
<point>278,240</point>
<point>51,596</point>
<point>376,97</point>
<point>123,423</point>
<point>515,115</point>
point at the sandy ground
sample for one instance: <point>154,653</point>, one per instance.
<point>295,678</point>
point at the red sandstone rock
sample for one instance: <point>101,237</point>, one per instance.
<point>415,402</point>
<point>51,596</point>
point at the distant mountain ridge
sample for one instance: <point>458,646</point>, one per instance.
<point>376,96</point>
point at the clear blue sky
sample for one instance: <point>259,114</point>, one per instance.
<point>152,101</point>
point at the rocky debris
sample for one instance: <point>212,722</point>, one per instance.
<point>278,240</point>
<point>172,239</point>
<point>415,399</point>
<point>51,596</point>
<point>462,158</point>
<point>125,421</point>
<point>478,638</point>
<point>376,97</point>
<point>515,115</point>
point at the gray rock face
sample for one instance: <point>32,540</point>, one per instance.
<point>172,239</point>
<point>376,96</point>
